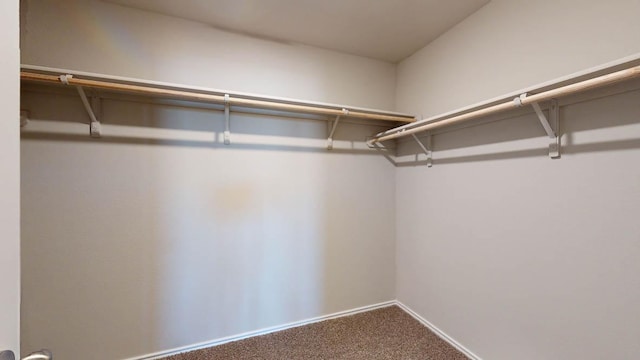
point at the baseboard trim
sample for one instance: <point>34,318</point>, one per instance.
<point>220,341</point>
<point>438,332</point>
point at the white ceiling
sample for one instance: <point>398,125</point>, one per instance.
<point>388,30</point>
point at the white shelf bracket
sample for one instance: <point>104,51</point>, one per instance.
<point>95,128</point>
<point>425,148</point>
<point>227,120</point>
<point>332,131</point>
<point>547,124</point>
<point>543,120</point>
<point>554,117</point>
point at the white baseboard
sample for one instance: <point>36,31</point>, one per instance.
<point>220,341</point>
<point>438,332</point>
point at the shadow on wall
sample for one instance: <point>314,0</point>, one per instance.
<point>154,238</point>
<point>247,254</point>
<point>589,122</point>
<point>139,252</point>
<point>57,114</point>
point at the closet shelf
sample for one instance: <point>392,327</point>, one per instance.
<point>82,80</point>
<point>545,92</point>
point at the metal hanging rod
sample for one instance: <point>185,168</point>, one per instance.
<point>523,99</point>
<point>233,100</point>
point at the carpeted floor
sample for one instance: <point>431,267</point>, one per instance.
<point>387,333</point>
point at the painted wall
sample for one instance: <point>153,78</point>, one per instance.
<point>510,45</point>
<point>110,39</point>
<point>10,179</point>
<point>158,236</point>
<point>515,255</point>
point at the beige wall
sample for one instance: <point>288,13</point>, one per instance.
<point>510,45</point>
<point>515,255</point>
<point>9,179</point>
<point>110,39</point>
<point>157,236</point>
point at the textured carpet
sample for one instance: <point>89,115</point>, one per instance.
<point>387,333</point>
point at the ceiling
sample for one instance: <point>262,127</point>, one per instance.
<point>388,30</point>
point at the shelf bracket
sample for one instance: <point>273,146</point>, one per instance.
<point>547,124</point>
<point>554,118</point>
<point>543,120</point>
<point>227,120</point>
<point>425,148</point>
<point>95,128</point>
<point>345,112</point>
<point>554,144</point>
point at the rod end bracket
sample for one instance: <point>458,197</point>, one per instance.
<point>555,141</point>
<point>95,129</point>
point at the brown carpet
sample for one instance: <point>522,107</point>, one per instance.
<point>387,333</point>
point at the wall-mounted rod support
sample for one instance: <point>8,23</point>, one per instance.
<point>227,120</point>
<point>543,120</point>
<point>442,121</point>
<point>554,118</point>
<point>333,129</point>
<point>547,124</point>
<point>95,129</point>
<point>554,146</point>
<point>183,93</point>
<point>425,148</point>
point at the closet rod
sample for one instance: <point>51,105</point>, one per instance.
<point>524,99</point>
<point>204,97</point>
